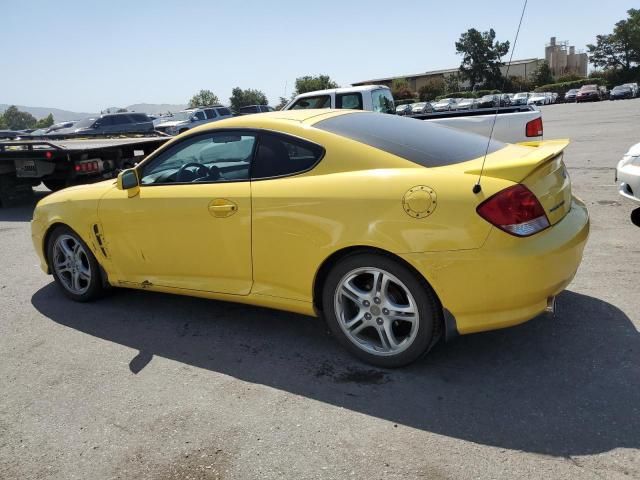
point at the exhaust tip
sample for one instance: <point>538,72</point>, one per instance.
<point>551,305</point>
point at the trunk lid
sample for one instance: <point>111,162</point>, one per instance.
<point>540,167</point>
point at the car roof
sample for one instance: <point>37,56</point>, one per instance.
<point>363,88</point>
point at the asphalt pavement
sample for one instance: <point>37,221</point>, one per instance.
<point>142,385</point>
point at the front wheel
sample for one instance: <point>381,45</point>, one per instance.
<point>380,310</point>
<point>73,265</point>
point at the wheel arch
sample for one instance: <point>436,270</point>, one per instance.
<point>335,257</point>
<point>45,248</point>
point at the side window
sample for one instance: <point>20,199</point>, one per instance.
<point>321,101</point>
<point>213,157</point>
<point>103,122</point>
<point>280,155</point>
<point>210,113</point>
<point>224,112</point>
<point>120,120</point>
<point>382,101</point>
<point>349,100</point>
<point>139,117</point>
<point>199,115</point>
<point>249,109</point>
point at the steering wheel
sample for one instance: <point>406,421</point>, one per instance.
<point>201,171</point>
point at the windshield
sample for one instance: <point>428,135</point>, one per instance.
<point>87,122</point>
<point>446,100</point>
<point>180,116</point>
<point>419,105</point>
<point>617,89</point>
<point>521,95</point>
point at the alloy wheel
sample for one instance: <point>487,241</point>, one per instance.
<point>71,264</point>
<point>376,311</point>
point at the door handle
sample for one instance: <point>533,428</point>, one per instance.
<point>221,207</point>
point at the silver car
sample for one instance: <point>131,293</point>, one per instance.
<point>193,117</point>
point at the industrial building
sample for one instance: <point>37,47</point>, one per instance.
<point>517,68</point>
<point>561,57</point>
<point>564,60</point>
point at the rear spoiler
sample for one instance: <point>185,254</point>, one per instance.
<point>521,166</point>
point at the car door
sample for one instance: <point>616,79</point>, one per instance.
<point>189,226</point>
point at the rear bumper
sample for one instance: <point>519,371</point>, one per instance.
<point>509,280</point>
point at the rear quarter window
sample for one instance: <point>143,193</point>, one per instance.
<point>421,142</point>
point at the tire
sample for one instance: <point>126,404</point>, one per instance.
<point>55,184</point>
<point>74,267</point>
<point>388,327</point>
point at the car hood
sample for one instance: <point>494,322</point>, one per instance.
<point>634,151</point>
<point>78,193</point>
<point>172,123</point>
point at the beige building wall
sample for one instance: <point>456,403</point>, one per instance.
<point>563,59</point>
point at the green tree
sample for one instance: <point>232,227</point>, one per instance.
<point>203,98</point>
<point>621,48</point>
<point>283,101</point>
<point>310,84</point>
<point>481,57</point>
<point>400,89</point>
<point>242,98</point>
<point>17,120</point>
<point>432,89</point>
<point>45,122</point>
<point>543,75</point>
<point>452,82</point>
<point>3,124</point>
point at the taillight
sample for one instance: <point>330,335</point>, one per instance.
<point>515,210</point>
<point>534,128</point>
<point>90,166</point>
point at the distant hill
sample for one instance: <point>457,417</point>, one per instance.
<point>65,115</point>
<point>41,112</point>
<point>152,108</point>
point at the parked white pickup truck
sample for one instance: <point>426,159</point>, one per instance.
<point>512,124</point>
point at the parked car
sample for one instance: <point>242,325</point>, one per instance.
<point>421,107</point>
<point>520,98</point>
<point>628,174</point>
<point>505,99</point>
<point>110,123</point>
<point>404,109</point>
<point>524,124</point>
<point>255,109</point>
<point>588,93</point>
<point>489,101</point>
<point>621,92</point>
<point>634,88</point>
<point>538,98</point>
<point>445,105</point>
<point>570,96</point>
<point>320,231</point>
<point>193,117</point>
<point>467,104</point>
<point>375,98</point>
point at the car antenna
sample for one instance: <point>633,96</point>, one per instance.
<point>477,187</point>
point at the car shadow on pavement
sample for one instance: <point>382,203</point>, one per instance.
<point>562,386</point>
<point>22,212</point>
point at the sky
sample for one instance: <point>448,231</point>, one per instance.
<point>85,56</point>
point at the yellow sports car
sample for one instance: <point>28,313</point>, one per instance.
<point>396,231</point>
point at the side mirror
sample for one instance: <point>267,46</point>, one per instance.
<point>194,119</point>
<point>128,180</point>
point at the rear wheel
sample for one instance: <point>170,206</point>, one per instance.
<point>379,310</point>
<point>73,265</point>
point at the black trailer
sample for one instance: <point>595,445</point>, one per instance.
<point>58,162</point>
